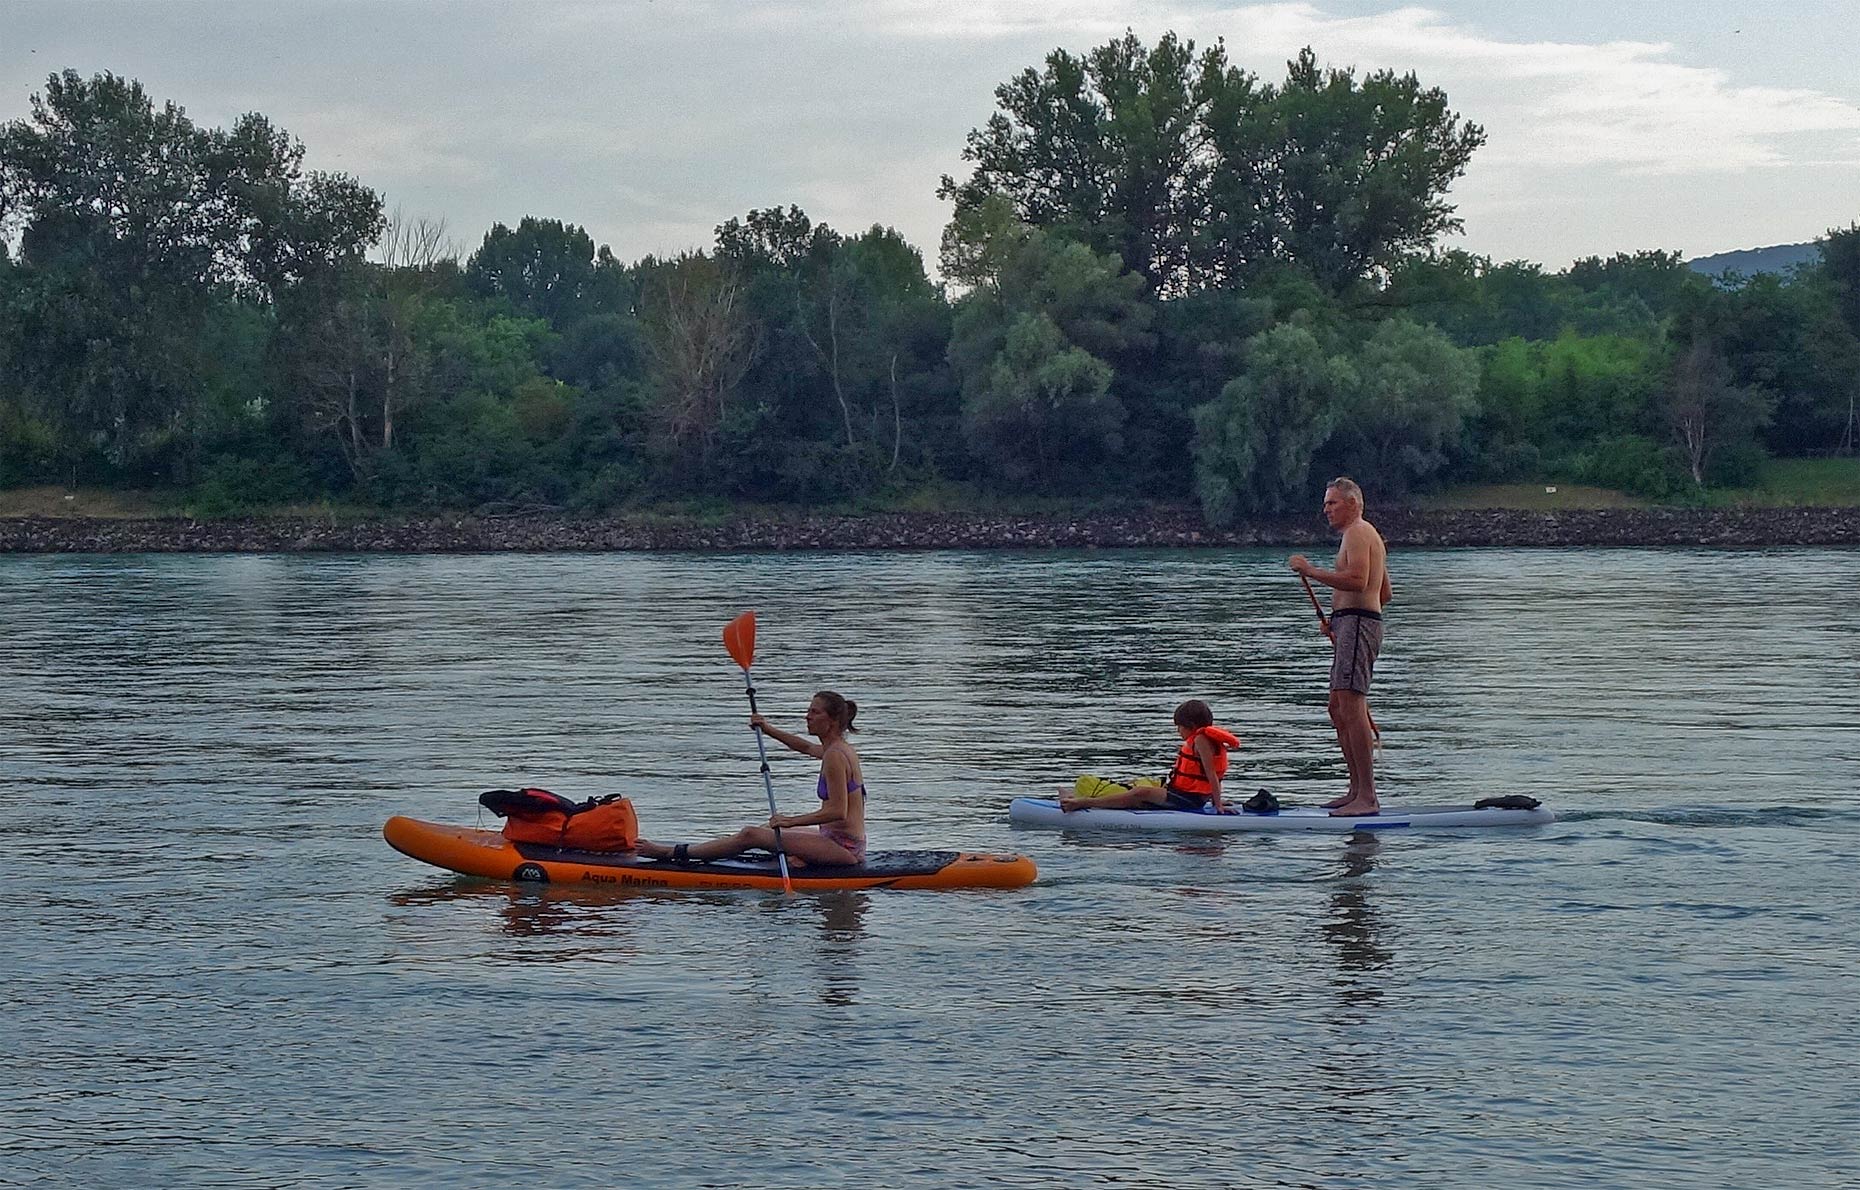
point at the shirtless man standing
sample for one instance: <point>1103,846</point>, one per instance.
<point>1359,587</point>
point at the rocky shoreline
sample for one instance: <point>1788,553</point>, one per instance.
<point>1734,528</point>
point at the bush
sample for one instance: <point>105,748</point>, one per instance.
<point>235,484</point>
<point>1739,465</point>
<point>28,448</point>
<point>1632,463</point>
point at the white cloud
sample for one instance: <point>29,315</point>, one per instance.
<point>650,121</point>
<point>1626,104</point>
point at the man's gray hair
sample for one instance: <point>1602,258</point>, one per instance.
<point>1347,486</point>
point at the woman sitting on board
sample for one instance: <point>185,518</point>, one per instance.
<point>840,838</point>
<point>1193,784</point>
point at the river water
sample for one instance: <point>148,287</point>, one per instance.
<point>216,973</point>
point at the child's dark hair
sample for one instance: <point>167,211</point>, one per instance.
<point>1194,713</point>
<point>841,709</point>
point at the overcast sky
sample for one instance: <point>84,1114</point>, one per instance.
<point>1613,125</point>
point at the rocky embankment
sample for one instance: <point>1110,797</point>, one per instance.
<point>1731,528</point>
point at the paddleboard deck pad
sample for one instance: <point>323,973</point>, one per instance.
<point>474,852</point>
<point>1043,811</point>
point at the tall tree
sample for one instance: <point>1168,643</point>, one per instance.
<point>131,222</point>
<point>548,269</point>
<point>1707,411</point>
<point>1255,443</point>
<point>1338,178</point>
<point>1840,255</point>
<point>1414,392</point>
<point>1195,175</point>
<point>701,340</point>
<point>1107,149</point>
<point>1030,345</point>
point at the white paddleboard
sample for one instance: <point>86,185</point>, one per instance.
<point>1045,811</point>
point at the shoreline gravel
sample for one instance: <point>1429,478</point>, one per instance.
<point>1738,528</point>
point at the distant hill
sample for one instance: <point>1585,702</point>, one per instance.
<point>1751,261</point>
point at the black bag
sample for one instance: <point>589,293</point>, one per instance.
<point>1511,801</point>
<point>1261,803</point>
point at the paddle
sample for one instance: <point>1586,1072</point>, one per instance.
<point>1324,627</point>
<point>739,637</point>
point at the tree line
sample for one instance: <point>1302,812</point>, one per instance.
<point>1163,277</point>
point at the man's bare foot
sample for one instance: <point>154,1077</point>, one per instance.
<point>1356,808</point>
<point>1069,804</point>
<point>1333,803</point>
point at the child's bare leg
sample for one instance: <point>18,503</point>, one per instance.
<point>1142,795</point>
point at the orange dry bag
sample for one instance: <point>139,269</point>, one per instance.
<point>538,816</point>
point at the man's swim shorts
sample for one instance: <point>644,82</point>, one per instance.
<point>1358,635</point>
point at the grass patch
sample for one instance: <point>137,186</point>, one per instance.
<point>1811,483</point>
<point>1533,497</point>
<point>53,500</point>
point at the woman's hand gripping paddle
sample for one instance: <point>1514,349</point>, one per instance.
<point>1324,627</point>
<point>739,636</point>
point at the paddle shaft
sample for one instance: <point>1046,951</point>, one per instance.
<point>1315,605</point>
<point>768,783</point>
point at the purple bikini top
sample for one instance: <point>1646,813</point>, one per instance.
<point>821,788</point>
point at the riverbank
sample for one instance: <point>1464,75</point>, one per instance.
<point>1721,527</point>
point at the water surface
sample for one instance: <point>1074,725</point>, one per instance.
<point>219,975</point>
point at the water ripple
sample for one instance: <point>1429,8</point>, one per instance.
<point>219,974</point>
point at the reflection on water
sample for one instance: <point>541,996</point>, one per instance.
<point>199,752</point>
<point>1352,928</point>
<point>842,920</point>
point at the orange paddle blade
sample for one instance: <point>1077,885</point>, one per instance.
<point>739,636</point>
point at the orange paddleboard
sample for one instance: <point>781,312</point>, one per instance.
<point>488,853</point>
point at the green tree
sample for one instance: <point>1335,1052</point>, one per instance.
<point>1339,178</point>
<point>1106,149</point>
<point>1031,346</point>
<point>350,345</point>
<point>1195,175</point>
<point>1041,413</point>
<point>851,389</point>
<point>1661,283</point>
<point>1840,256</point>
<point>132,222</point>
<point>1414,392</point>
<point>1255,443</point>
<point>1709,414</point>
<point>1787,338</point>
<point>549,270</point>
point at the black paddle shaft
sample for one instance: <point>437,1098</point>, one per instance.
<point>766,771</point>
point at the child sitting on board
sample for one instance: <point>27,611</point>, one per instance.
<point>1193,784</point>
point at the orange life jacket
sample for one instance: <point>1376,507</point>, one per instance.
<point>1187,775</point>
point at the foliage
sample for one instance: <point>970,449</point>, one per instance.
<point>1171,280</point>
<point>1708,412</point>
<point>1840,254</point>
<point>549,270</point>
<point>132,221</point>
<point>1631,463</point>
<point>1195,175</point>
<point>1338,178</point>
<point>1031,346</point>
<point>1254,445</point>
<point>1414,391</point>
